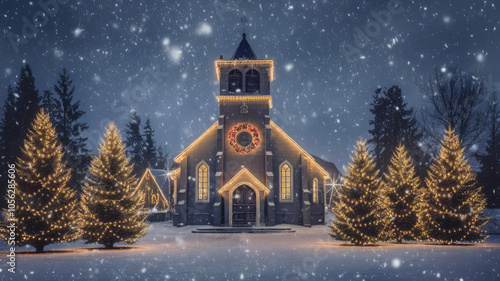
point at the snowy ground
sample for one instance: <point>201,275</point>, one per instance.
<point>170,253</point>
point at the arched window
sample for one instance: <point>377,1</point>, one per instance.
<point>315,191</point>
<point>286,183</point>
<point>235,81</point>
<point>252,81</point>
<point>202,183</point>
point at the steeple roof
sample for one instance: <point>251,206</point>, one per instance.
<point>244,51</point>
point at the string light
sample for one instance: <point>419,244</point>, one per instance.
<point>45,205</point>
<point>404,209</point>
<point>153,195</point>
<point>361,215</point>
<point>244,63</point>
<point>238,178</point>
<point>452,205</point>
<point>111,200</point>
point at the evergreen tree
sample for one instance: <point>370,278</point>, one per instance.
<point>403,188</point>
<point>70,128</point>
<point>111,201</point>
<point>50,105</point>
<point>489,176</point>
<point>20,109</point>
<point>149,152</point>
<point>134,143</point>
<point>394,123</point>
<point>45,205</point>
<point>361,215</point>
<point>453,202</point>
<point>8,132</point>
<point>161,159</point>
<point>27,103</point>
<point>379,111</point>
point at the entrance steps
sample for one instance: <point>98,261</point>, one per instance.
<point>243,230</point>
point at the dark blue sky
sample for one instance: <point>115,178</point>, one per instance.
<point>157,57</point>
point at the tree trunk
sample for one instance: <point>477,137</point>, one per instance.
<point>108,245</point>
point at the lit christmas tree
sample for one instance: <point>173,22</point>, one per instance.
<point>46,206</point>
<point>361,214</point>
<point>404,197</point>
<point>111,202</point>
<point>453,202</point>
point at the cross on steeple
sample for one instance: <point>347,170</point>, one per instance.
<point>244,21</point>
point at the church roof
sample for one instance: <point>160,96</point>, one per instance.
<point>328,166</point>
<point>184,152</point>
<point>313,160</point>
<point>244,51</point>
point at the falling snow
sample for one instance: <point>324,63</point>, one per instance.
<point>157,58</point>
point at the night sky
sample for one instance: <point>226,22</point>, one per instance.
<point>157,57</point>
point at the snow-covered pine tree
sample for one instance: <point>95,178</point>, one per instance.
<point>111,202</point>
<point>27,103</point>
<point>361,215</point>
<point>149,152</point>
<point>46,208</point>
<point>20,109</point>
<point>8,140</point>
<point>161,158</point>
<point>50,105</point>
<point>70,127</point>
<point>134,143</point>
<point>453,202</point>
<point>393,122</point>
<point>403,193</point>
<point>489,176</point>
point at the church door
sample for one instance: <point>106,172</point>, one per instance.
<point>244,206</point>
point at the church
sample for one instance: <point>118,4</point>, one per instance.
<point>245,170</point>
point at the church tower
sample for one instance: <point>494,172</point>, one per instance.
<point>244,102</point>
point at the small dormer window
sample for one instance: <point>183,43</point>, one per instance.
<point>235,81</point>
<point>252,84</point>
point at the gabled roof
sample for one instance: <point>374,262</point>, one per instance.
<point>213,127</point>
<point>329,167</point>
<point>243,175</point>
<point>244,51</point>
<point>160,179</point>
<point>309,156</point>
<point>275,128</point>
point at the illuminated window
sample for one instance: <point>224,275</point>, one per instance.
<point>235,81</point>
<point>252,81</point>
<point>286,184</point>
<point>315,191</point>
<point>202,183</point>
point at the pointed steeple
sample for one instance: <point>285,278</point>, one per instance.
<point>244,51</point>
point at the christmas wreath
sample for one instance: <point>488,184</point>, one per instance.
<point>244,138</point>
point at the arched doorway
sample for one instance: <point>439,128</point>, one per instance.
<point>244,206</point>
